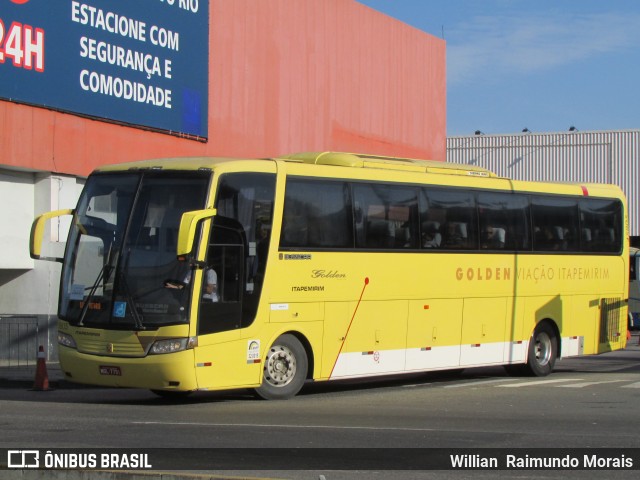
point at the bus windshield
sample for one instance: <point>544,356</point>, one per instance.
<point>122,249</point>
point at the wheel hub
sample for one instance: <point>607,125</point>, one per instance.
<point>280,366</point>
<point>543,349</point>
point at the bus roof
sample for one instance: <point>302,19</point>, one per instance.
<point>370,162</point>
<point>390,163</point>
<point>174,163</point>
<point>340,159</point>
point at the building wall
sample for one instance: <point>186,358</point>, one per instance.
<point>15,185</point>
<point>28,288</point>
<point>584,157</point>
<point>284,76</point>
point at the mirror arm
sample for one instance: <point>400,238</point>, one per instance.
<point>188,225</point>
<point>37,234</point>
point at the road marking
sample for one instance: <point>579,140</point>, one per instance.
<point>611,368</point>
<point>479,382</point>
<point>539,382</point>
<point>255,425</point>
<point>587,384</point>
<point>632,385</point>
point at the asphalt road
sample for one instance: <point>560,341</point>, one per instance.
<point>589,402</point>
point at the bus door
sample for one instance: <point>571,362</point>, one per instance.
<point>218,303</point>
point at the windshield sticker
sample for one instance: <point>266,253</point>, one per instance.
<point>77,292</point>
<point>119,309</point>
<point>253,351</point>
<point>153,308</point>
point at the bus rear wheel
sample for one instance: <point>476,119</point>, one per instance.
<point>543,350</point>
<point>285,369</point>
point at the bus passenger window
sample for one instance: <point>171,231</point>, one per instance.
<point>295,228</point>
<point>380,233</point>
<point>556,223</point>
<point>387,216</point>
<point>601,223</point>
<point>317,214</point>
<point>456,210</point>
<point>504,221</point>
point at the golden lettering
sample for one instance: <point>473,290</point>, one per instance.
<point>484,274</point>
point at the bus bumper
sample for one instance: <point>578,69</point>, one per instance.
<point>171,371</point>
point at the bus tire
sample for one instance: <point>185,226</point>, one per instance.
<point>285,369</point>
<point>543,349</point>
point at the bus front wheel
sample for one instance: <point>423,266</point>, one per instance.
<point>285,369</point>
<point>543,350</point>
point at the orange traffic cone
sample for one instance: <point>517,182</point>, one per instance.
<point>41,382</point>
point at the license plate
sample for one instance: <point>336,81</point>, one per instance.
<point>106,370</point>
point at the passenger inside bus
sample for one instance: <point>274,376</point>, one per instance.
<point>455,235</point>
<point>493,238</point>
<point>548,239</point>
<point>432,237</point>
<point>210,289</point>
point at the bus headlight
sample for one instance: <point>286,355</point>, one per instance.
<point>172,345</point>
<point>66,340</point>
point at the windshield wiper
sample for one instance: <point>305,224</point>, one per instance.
<point>137,318</point>
<point>105,272</point>
<point>123,286</point>
<point>103,275</point>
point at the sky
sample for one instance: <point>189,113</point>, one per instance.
<point>544,65</point>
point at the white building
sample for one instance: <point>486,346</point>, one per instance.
<point>29,288</point>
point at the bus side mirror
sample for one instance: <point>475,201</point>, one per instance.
<point>188,226</point>
<point>37,234</point>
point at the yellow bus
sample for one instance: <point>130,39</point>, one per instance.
<point>206,274</point>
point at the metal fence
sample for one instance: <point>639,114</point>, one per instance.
<point>18,340</point>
